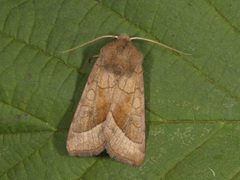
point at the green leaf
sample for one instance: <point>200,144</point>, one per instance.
<point>192,102</point>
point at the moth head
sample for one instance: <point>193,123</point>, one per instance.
<point>124,36</point>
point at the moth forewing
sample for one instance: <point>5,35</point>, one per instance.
<point>125,125</point>
<point>85,135</point>
<point>110,114</point>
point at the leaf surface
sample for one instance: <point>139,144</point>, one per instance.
<point>192,102</point>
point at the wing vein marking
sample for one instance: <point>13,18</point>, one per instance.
<point>129,121</point>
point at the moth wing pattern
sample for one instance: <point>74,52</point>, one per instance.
<point>85,135</point>
<point>125,124</point>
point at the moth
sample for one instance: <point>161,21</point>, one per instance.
<point>110,114</point>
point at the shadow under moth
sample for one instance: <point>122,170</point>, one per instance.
<point>110,114</point>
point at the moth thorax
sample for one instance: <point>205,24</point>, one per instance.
<point>121,57</point>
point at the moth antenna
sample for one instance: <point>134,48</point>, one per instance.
<point>161,44</point>
<point>101,37</point>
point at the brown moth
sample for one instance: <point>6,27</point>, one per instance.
<point>110,114</point>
